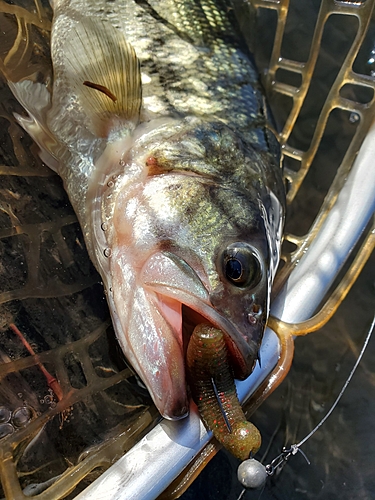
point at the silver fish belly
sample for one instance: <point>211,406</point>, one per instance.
<point>157,125</point>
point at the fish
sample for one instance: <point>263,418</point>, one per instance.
<point>157,124</point>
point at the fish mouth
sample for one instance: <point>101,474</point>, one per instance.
<point>184,302</point>
<point>192,318</point>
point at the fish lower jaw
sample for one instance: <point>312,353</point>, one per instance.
<point>192,318</point>
<point>189,317</point>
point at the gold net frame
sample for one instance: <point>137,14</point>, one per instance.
<point>364,112</point>
<point>363,11</point>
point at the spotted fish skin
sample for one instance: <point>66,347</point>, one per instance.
<point>173,173</point>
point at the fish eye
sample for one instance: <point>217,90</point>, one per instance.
<point>241,265</point>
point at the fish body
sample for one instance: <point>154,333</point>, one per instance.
<point>157,125</point>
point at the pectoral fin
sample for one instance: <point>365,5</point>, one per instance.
<point>36,100</point>
<point>103,71</point>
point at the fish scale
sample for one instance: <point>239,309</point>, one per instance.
<point>186,46</point>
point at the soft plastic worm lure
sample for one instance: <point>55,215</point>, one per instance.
<point>213,391</point>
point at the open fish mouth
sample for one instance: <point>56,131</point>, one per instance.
<point>184,318</point>
<point>184,304</point>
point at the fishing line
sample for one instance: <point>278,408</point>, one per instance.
<point>365,344</point>
<point>286,453</point>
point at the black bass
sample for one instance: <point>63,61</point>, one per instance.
<point>157,125</point>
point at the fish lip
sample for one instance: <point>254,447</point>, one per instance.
<point>242,356</point>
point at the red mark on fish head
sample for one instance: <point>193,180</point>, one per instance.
<point>154,167</point>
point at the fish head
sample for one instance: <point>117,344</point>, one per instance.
<point>189,247</point>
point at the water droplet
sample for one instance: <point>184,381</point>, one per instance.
<point>4,414</point>
<point>107,252</point>
<point>110,184</point>
<point>104,226</point>
<point>251,319</point>
<point>22,416</point>
<point>371,62</point>
<point>354,117</point>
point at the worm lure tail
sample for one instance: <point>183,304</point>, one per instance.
<point>213,390</point>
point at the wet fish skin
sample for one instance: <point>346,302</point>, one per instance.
<point>169,193</point>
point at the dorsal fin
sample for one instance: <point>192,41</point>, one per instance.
<point>104,73</point>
